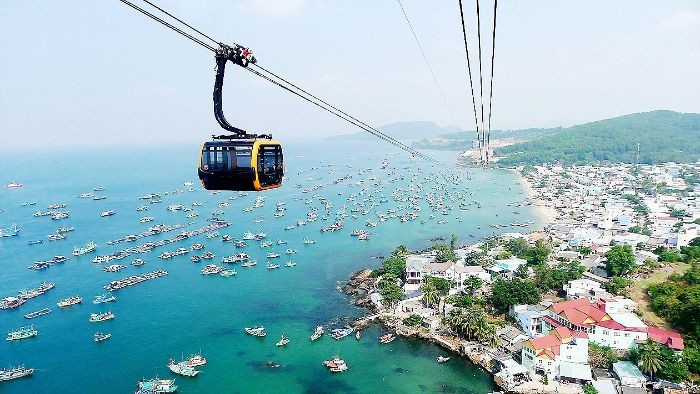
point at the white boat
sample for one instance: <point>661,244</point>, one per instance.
<point>318,332</point>
<point>258,331</point>
<point>336,364</point>
<point>79,251</point>
<point>283,341</point>
<point>14,185</point>
<point>182,368</point>
<point>271,266</point>
<point>442,359</point>
<point>290,264</point>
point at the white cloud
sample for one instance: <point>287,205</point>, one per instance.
<point>682,20</point>
<point>277,7</point>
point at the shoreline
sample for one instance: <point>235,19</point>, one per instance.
<point>548,214</point>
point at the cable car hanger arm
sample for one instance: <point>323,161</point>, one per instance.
<point>243,57</point>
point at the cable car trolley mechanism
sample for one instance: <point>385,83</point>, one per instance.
<point>238,161</point>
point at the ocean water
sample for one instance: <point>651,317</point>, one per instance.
<point>185,312</point>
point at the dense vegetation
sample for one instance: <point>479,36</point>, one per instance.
<point>678,301</point>
<point>663,136</point>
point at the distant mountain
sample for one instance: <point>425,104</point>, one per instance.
<point>400,131</point>
<point>662,136</point>
<point>464,139</point>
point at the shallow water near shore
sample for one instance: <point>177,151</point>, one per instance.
<point>185,312</point>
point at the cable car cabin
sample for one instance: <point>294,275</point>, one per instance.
<point>241,165</point>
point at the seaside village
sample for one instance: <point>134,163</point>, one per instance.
<point>556,310</point>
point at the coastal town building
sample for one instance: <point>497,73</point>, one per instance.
<point>545,355</point>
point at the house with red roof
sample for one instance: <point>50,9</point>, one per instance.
<point>544,355</point>
<point>608,322</point>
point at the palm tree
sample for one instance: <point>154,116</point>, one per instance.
<point>430,293</point>
<point>400,251</point>
<point>650,357</point>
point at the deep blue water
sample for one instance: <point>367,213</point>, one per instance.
<point>186,312</point>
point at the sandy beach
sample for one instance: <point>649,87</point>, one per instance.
<point>548,214</point>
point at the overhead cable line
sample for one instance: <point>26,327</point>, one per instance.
<point>281,82</point>
<point>481,85</point>
<point>469,71</point>
<point>164,23</point>
<point>442,94</point>
<point>493,55</point>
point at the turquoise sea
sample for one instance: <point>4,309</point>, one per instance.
<point>185,312</point>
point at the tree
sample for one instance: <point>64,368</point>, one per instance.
<point>650,357</point>
<point>475,258</point>
<point>585,251</point>
<point>390,291</point>
<point>430,293</point>
<point>507,293</point>
<point>550,278</point>
<point>401,251</point>
<point>589,389</point>
<point>472,284</point>
<point>444,253</point>
<point>394,265</point>
<point>412,320</point>
<point>618,285</point>
<point>471,323</point>
<point>600,356</point>
<point>503,255</point>
<point>442,285</point>
<point>620,260</point>
<point>453,242</point>
<point>537,255</point>
<point>518,247</point>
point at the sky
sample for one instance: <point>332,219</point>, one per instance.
<point>80,73</point>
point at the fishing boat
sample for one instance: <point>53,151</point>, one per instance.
<point>281,242</point>
<point>138,263</point>
<point>113,268</point>
<point>271,266</point>
<point>197,246</point>
<point>90,247</point>
<point>210,269</point>
<point>58,259</point>
<point>290,251</point>
<point>228,273</point>
<point>39,265</point>
<point>38,313</point>
<point>272,255</point>
<point>108,213</point>
<point>22,333</point>
<point>35,242</point>
<point>11,231</point>
<point>258,331</point>
<point>146,219</point>
<point>442,359</point>
<point>99,337</point>
<point>290,264</point>
<point>318,332</point>
<point>45,286</point>
<point>308,241</point>
<point>104,298</point>
<point>181,368</point>
<point>208,255</point>
<point>265,244</point>
<point>336,364</point>
<point>66,302</point>
<point>289,227</point>
<point>283,341</point>
<point>15,373</point>
<point>13,185</point>
<point>100,317</point>
<point>141,208</point>
<point>387,338</point>
<point>27,294</point>
<point>157,386</point>
<point>56,237</point>
<point>249,263</point>
<point>196,360</point>
<point>358,335</point>
<point>340,333</point>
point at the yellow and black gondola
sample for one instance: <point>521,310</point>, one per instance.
<point>239,161</point>
<point>241,164</point>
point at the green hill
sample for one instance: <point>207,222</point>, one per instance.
<point>662,135</point>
